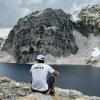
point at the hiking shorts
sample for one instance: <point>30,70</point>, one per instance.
<point>50,82</point>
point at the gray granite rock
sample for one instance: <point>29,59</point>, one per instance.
<point>9,91</point>
<point>42,32</point>
<point>89,20</point>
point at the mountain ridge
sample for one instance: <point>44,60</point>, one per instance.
<point>81,22</point>
<point>46,32</point>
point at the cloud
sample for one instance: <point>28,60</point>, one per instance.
<point>10,12</point>
<point>77,7</point>
<point>40,2</point>
<point>27,3</point>
<point>94,2</point>
<point>67,5</point>
<point>54,2</point>
<point>34,5</point>
<point>78,4</point>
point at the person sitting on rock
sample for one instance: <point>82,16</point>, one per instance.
<point>40,71</point>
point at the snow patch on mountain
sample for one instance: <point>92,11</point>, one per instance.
<point>4,32</point>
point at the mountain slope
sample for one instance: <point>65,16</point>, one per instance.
<point>88,20</point>
<point>45,32</point>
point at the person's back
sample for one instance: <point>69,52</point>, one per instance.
<point>39,71</point>
<point>39,76</point>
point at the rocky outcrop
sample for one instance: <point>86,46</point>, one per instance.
<point>88,20</point>
<point>41,32</point>
<point>86,26</point>
<point>12,90</point>
<point>56,35</point>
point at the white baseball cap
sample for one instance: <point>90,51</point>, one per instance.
<point>40,57</point>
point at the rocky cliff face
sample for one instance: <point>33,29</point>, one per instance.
<point>86,26</point>
<point>88,20</point>
<point>56,35</point>
<point>42,32</point>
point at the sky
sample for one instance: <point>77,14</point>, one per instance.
<point>12,10</point>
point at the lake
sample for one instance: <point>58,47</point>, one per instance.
<point>84,78</point>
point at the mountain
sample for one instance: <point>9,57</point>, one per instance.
<point>86,30</point>
<point>89,20</point>
<point>42,32</point>
<point>61,37</point>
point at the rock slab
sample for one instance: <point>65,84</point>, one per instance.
<point>12,90</point>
